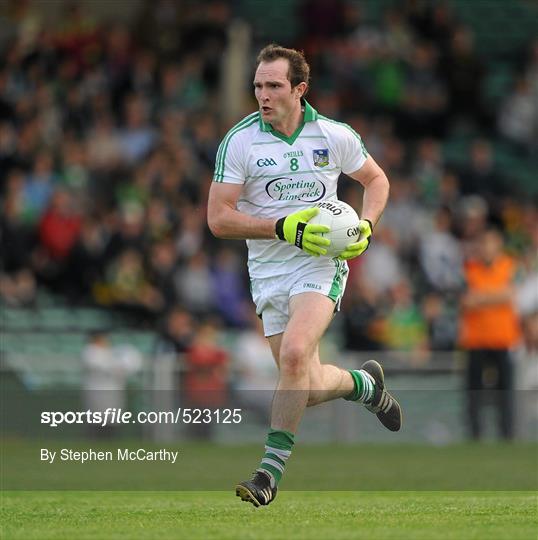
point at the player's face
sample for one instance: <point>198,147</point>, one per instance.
<point>273,91</point>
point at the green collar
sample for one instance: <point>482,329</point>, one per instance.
<point>309,115</point>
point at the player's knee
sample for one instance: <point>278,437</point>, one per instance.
<point>294,360</point>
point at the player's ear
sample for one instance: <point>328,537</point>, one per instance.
<point>300,89</point>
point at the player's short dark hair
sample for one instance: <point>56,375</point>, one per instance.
<point>299,70</point>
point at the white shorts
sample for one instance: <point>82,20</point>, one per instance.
<point>271,295</point>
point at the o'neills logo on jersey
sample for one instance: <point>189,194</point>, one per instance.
<point>288,189</point>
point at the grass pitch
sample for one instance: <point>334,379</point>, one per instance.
<point>211,467</point>
<point>459,492</point>
<point>293,515</point>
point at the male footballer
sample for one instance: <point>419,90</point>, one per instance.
<point>271,168</point>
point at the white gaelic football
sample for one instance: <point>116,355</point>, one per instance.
<point>343,222</point>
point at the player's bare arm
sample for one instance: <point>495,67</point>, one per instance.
<point>376,189</point>
<point>225,221</point>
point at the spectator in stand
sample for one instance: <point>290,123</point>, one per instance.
<point>127,287</point>
<point>404,217</point>
<point>481,175</point>
<point>49,115</point>
<point>178,333</point>
<point>489,330</point>
<point>18,289</point>
<point>76,109</point>
<point>464,74</point>
<point>28,140</point>
<point>397,34</point>
<point>518,118</point>
<point>129,233</point>
<point>143,78</point>
<point>8,146</point>
<point>78,34</point>
<point>381,263</point>
<point>418,15</point>
<point>159,27</point>
<point>107,372</point>
<point>205,383</point>
<point>449,191</point>
<point>182,85</point>
<point>405,326</point>
<point>160,220</point>
<point>17,237</point>
<point>442,26</point>
<point>389,79</point>
<point>86,263</point>
<point>163,264</point>
<point>440,255</point>
<point>60,226</point>
<point>425,96</point>
<point>441,319</point>
<point>40,185</point>
<point>138,137</point>
<point>103,144</point>
<point>74,174</point>
<point>472,220</point>
<point>17,282</point>
<point>117,63</point>
<point>394,152</point>
<point>58,232</point>
<point>321,21</point>
<point>171,89</point>
<point>7,109</point>
<point>364,310</point>
<point>205,144</point>
<point>231,298</point>
<point>255,371</point>
<point>428,171</point>
<point>194,285</point>
<point>206,36</point>
<point>190,236</point>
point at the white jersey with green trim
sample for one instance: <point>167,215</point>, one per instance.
<point>281,175</point>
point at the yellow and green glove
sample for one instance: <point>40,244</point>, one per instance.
<point>296,230</point>
<point>358,248</point>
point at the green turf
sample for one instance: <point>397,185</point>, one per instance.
<point>462,467</point>
<point>294,515</point>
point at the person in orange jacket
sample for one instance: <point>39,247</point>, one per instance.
<point>489,329</point>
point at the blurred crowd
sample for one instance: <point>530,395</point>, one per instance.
<point>108,136</point>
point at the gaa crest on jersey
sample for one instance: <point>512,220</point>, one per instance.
<point>321,157</point>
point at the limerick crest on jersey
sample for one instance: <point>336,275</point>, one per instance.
<point>321,157</point>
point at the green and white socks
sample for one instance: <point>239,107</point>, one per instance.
<point>279,443</point>
<point>277,451</point>
<point>364,386</point>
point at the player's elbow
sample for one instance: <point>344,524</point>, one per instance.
<point>215,226</point>
<point>383,182</point>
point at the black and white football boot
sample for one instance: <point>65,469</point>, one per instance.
<point>258,490</point>
<point>383,405</point>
